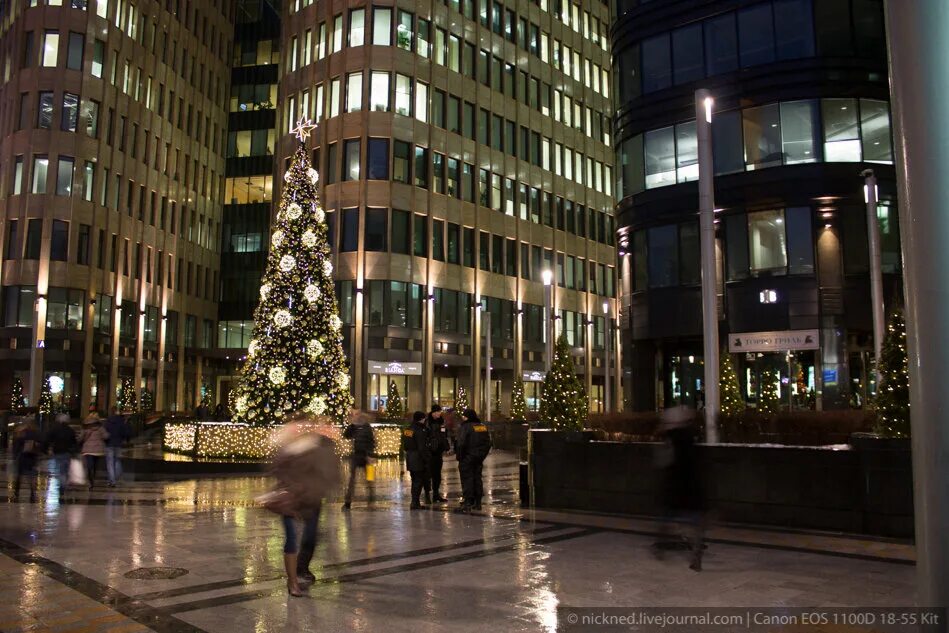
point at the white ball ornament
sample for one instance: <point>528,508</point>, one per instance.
<point>318,405</point>
<point>311,293</point>
<point>294,211</point>
<point>314,348</point>
<point>287,263</point>
<point>264,291</point>
<point>252,347</point>
<point>343,380</point>
<point>320,214</point>
<point>314,175</point>
<point>282,318</point>
<point>278,375</point>
<point>287,176</point>
<point>309,239</point>
<point>276,239</point>
<point>335,322</point>
<point>241,404</point>
<point>327,267</point>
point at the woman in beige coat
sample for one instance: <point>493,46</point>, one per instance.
<point>92,444</point>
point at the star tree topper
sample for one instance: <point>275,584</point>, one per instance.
<point>303,129</point>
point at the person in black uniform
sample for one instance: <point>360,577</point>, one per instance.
<point>364,445</point>
<point>436,426</point>
<point>417,445</point>
<point>471,446</point>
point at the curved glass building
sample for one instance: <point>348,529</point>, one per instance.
<point>801,110</point>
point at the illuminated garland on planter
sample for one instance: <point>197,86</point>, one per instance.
<point>295,360</point>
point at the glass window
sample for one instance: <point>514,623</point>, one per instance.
<point>40,169</point>
<point>756,35</point>
<point>357,27</point>
<point>13,239</point>
<point>468,247</point>
<point>484,251</point>
<point>833,24</point>
<point>663,257</point>
<point>44,112</point>
<point>868,28</point>
<point>721,45</point>
<point>762,127</point>
<point>59,241</point>
<point>382,27</point>
<point>401,162</point>
<point>853,225</point>
<point>687,152</point>
<point>689,254</point>
<point>841,133</point>
<point>335,97</point>
<point>438,172</point>
<point>727,147</point>
<point>766,241</point>
<point>875,126</point>
<point>376,229</point>
<point>377,160</point>
<point>34,234</point>
<point>420,236</point>
<point>331,153</point>
<point>64,175</point>
<point>454,237</point>
<point>349,231</point>
<point>736,246</point>
<point>90,115</point>
<point>421,167</point>
<point>799,127</point>
<point>338,33</point>
<point>687,53</point>
<point>50,53</point>
<point>421,101</point>
<point>74,54</point>
<point>660,159</point>
<point>800,241</point>
<point>353,92</point>
<point>404,32</point>
<point>794,29</point>
<point>656,63</point>
<point>379,92</point>
<point>403,95</point>
<point>438,240</point>
<point>400,232</point>
<point>351,159</point>
<point>423,37</point>
<point>630,163</point>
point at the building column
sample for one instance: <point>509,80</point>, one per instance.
<point>613,335</point>
<point>38,351</point>
<point>428,349</point>
<point>919,82</point>
<point>198,379</point>
<point>180,381</point>
<point>85,393</point>
<point>139,350</point>
<point>160,372</point>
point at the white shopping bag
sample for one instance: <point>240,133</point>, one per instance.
<point>77,473</point>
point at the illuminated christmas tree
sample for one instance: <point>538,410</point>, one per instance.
<point>461,402</point>
<point>395,410</point>
<point>17,399</point>
<point>127,400</point>
<point>732,402</point>
<point>46,398</point>
<point>295,358</point>
<point>564,404</point>
<point>892,402</point>
<point>148,400</point>
<point>768,401</point>
<point>518,404</point>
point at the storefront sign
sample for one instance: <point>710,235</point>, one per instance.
<point>774,341</point>
<point>395,368</point>
<point>830,377</point>
<point>533,376</point>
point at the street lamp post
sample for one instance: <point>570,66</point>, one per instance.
<point>486,319</point>
<point>607,401</point>
<point>703,125</point>
<point>870,196</point>
<point>548,277</point>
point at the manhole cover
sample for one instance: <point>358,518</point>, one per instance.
<point>156,573</point>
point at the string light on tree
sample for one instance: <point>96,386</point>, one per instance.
<point>769,402</point>
<point>461,402</point>
<point>564,404</point>
<point>17,399</point>
<point>298,358</point>
<point>892,402</point>
<point>394,409</point>
<point>518,404</point>
<point>732,402</point>
<point>46,397</point>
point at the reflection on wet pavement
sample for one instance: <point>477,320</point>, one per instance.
<point>383,567</point>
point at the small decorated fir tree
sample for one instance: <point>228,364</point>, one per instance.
<point>395,409</point>
<point>148,400</point>
<point>17,399</point>
<point>295,358</point>
<point>518,404</point>
<point>127,400</point>
<point>564,404</point>
<point>892,402</point>
<point>732,402</point>
<point>46,398</point>
<point>769,401</point>
<point>461,402</point>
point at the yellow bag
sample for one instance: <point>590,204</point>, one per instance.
<point>370,472</point>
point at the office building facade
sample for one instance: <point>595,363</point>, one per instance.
<point>801,110</point>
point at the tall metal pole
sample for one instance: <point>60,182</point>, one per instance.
<point>548,320</point>
<point>607,401</point>
<point>703,125</point>
<point>486,316</point>
<point>919,82</point>
<point>876,266</point>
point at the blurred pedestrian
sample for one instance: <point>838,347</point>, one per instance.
<point>61,442</point>
<point>306,467</point>
<point>220,412</point>
<point>471,447</point>
<point>683,496</point>
<point>92,441</point>
<point>417,446</point>
<point>119,432</point>
<point>27,448</point>
<point>439,446</point>
<point>364,446</point>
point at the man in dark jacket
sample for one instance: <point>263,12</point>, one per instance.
<point>61,442</point>
<point>417,445</point>
<point>471,446</point>
<point>436,426</point>
<point>364,445</point>
<point>118,429</point>
<point>27,447</point>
